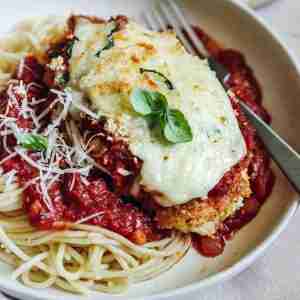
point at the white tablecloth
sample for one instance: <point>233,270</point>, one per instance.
<point>275,276</point>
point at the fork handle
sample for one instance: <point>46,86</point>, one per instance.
<point>287,159</point>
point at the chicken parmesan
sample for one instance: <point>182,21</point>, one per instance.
<point>120,150</point>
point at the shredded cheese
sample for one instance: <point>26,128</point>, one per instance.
<point>48,164</point>
<point>85,219</point>
<point>9,179</point>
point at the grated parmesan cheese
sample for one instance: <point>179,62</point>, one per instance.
<point>47,163</point>
<point>85,219</point>
<point>123,172</point>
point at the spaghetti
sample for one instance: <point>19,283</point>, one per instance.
<point>78,257</point>
<point>84,256</point>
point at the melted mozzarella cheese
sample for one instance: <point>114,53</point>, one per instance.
<point>176,173</point>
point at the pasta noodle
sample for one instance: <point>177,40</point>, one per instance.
<point>83,257</point>
<point>84,253</point>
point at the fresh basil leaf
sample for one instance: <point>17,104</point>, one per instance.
<point>70,45</point>
<point>154,107</point>
<point>146,102</point>
<point>151,120</point>
<point>110,42</point>
<point>33,142</point>
<point>177,128</point>
<point>167,82</point>
<point>63,79</point>
<point>54,53</point>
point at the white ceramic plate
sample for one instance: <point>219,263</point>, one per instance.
<point>236,27</point>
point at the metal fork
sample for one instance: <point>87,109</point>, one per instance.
<point>167,13</point>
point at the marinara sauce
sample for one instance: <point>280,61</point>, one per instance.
<point>72,197</point>
<point>244,85</point>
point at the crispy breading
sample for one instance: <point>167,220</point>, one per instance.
<point>205,215</point>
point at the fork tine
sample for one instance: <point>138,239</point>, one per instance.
<point>187,27</point>
<point>155,21</point>
<point>176,27</point>
<point>160,20</point>
<point>151,21</point>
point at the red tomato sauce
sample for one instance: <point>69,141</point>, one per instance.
<point>245,86</point>
<point>72,198</point>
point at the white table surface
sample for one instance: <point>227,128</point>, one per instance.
<point>275,276</point>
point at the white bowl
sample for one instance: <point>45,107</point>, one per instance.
<point>236,27</point>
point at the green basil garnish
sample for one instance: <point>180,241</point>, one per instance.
<point>167,82</point>
<point>69,46</point>
<point>63,78</point>
<point>35,142</point>
<point>146,102</point>
<point>110,42</point>
<point>177,129</point>
<point>54,53</point>
<point>154,107</point>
